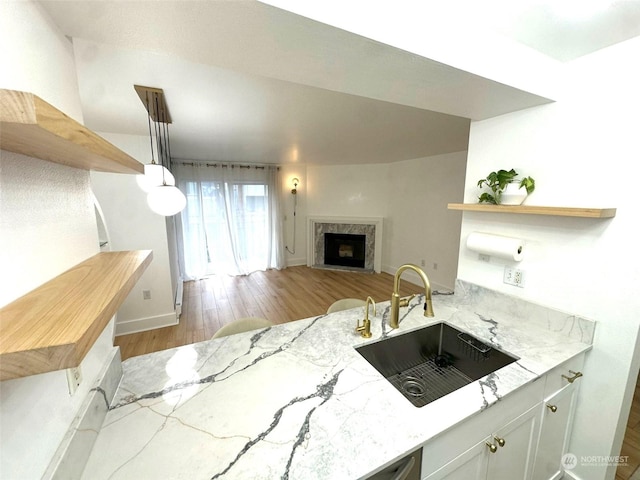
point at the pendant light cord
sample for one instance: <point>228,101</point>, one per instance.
<point>159,141</point>
<point>153,161</point>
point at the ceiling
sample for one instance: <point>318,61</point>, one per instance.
<point>249,82</point>
<point>568,29</point>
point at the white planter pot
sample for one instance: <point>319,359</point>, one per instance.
<point>513,194</point>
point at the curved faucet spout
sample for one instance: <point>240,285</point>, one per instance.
<point>396,302</point>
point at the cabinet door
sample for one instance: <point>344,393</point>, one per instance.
<point>472,464</point>
<point>515,459</point>
<point>554,433</point>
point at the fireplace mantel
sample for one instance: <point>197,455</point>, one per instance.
<point>377,222</point>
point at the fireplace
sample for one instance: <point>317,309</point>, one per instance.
<point>344,249</point>
<point>358,244</point>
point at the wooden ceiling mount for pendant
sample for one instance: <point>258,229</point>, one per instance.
<point>162,113</point>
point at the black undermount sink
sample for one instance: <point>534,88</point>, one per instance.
<point>431,362</point>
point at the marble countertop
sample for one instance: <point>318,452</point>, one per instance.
<point>296,401</point>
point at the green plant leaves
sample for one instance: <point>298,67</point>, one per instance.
<point>528,183</point>
<point>488,198</point>
<point>497,182</point>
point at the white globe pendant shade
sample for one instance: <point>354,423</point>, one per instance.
<point>166,200</point>
<point>153,177</point>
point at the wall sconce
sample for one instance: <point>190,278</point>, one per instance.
<point>295,183</point>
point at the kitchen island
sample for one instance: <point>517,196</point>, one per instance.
<point>297,401</point>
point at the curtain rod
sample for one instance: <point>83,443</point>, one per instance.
<point>226,165</point>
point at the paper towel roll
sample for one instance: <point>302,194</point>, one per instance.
<point>496,245</point>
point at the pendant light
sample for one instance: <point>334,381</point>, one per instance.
<point>163,197</point>
<point>152,177</point>
<point>166,200</point>
<point>154,173</point>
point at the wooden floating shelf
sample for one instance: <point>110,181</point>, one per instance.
<point>532,210</point>
<point>31,126</point>
<point>54,326</point>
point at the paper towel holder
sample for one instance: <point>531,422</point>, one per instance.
<point>500,246</point>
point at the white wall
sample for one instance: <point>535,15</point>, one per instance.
<point>419,226</point>
<point>412,197</point>
<point>347,190</point>
<point>578,150</point>
<point>47,225</point>
<point>133,226</point>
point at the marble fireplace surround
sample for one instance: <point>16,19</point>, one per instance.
<point>369,226</point>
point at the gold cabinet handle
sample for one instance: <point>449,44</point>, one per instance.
<point>574,377</point>
<point>492,447</point>
<point>501,442</point>
<point>553,408</point>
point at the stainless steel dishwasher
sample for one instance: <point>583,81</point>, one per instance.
<point>407,468</point>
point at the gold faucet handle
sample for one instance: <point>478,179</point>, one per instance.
<point>364,329</point>
<point>404,302</point>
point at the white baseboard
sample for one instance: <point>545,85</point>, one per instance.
<point>296,262</point>
<point>143,324</point>
<point>179,296</point>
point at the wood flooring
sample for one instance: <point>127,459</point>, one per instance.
<point>631,444</point>
<point>277,295</point>
<point>291,294</point>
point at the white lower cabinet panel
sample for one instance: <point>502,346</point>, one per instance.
<point>489,460</point>
<point>471,464</point>
<point>476,430</point>
<point>515,459</point>
<point>557,415</point>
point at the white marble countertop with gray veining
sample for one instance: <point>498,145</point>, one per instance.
<point>296,401</point>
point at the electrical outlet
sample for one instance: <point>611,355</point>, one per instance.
<point>146,294</point>
<point>435,266</point>
<point>423,262</point>
<point>483,257</point>
<point>518,278</point>
<point>74,379</point>
<point>513,276</point>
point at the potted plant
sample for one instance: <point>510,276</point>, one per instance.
<point>506,188</point>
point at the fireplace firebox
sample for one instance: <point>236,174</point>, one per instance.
<point>344,249</point>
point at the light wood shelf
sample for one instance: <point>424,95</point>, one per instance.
<point>31,126</point>
<point>533,210</point>
<point>54,326</point>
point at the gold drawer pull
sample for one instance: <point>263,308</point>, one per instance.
<point>575,376</point>
<point>492,447</point>
<point>500,441</point>
<point>553,408</point>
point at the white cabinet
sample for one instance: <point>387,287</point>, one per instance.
<point>556,420</point>
<point>505,454</point>
<point>471,464</point>
<point>534,423</point>
<point>515,458</point>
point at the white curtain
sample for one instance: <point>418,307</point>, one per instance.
<point>232,221</point>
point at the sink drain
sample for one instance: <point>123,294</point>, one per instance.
<point>414,387</point>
